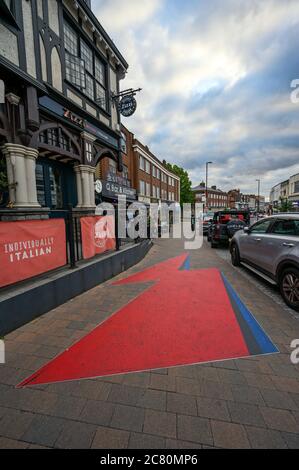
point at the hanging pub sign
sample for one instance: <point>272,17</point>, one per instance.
<point>127,105</point>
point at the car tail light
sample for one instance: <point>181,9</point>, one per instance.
<point>217,231</point>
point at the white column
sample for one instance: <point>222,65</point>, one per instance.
<point>17,171</point>
<point>85,186</point>
<point>91,186</point>
<point>79,186</point>
<point>21,163</point>
<point>31,156</point>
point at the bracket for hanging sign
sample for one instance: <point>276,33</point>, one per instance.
<point>126,102</point>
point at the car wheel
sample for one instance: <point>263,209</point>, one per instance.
<point>289,287</point>
<point>235,255</point>
<point>214,245</point>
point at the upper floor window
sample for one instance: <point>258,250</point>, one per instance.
<point>141,163</point>
<point>112,167</point>
<point>123,142</point>
<point>125,172</point>
<point>83,68</point>
<point>147,167</point>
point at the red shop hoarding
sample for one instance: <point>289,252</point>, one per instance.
<point>98,235</point>
<point>29,248</point>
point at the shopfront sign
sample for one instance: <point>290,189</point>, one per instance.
<point>29,248</point>
<point>113,190</point>
<point>98,235</point>
<point>113,178</point>
<point>74,118</point>
<point>61,111</point>
<point>144,200</point>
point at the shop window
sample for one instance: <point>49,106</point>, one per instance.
<point>40,185</point>
<point>52,135</point>
<point>56,187</point>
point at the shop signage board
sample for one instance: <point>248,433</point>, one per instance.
<point>66,114</point>
<point>30,247</point>
<point>113,190</point>
<point>98,235</point>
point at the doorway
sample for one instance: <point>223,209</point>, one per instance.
<point>56,186</point>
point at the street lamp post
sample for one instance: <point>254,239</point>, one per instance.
<point>258,194</point>
<point>207,171</point>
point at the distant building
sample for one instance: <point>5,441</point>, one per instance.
<point>287,190</point>
<point>213,197</point>
<point>234,198</point>
<point>293,195</point>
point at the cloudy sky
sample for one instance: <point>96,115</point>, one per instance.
<point>216,78</point>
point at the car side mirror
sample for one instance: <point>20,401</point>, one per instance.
<point>247,230</point>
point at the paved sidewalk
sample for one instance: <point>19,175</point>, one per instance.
<point>237,404</point>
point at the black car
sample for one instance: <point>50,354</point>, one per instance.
<point>225,224</point>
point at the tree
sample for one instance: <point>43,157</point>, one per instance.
<point>285,205</point>
<point>187,195</point>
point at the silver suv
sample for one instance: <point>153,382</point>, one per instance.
<point>270,248</point>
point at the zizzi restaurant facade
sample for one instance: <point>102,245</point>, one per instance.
<point>59,121</point>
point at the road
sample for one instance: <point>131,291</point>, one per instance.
<point>258,282</point>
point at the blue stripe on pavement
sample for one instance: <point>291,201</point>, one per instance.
<point>262,339</point>
<point>186,265</point>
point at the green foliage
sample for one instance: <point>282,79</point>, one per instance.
<point>187,195</point>
<point>285,205</point>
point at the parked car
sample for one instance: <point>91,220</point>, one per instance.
<point>270,248</point>
<point>225,224</point>
<point>206,222</point>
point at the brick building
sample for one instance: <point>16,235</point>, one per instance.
<point>144,177</point>
<point>216,198</point>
